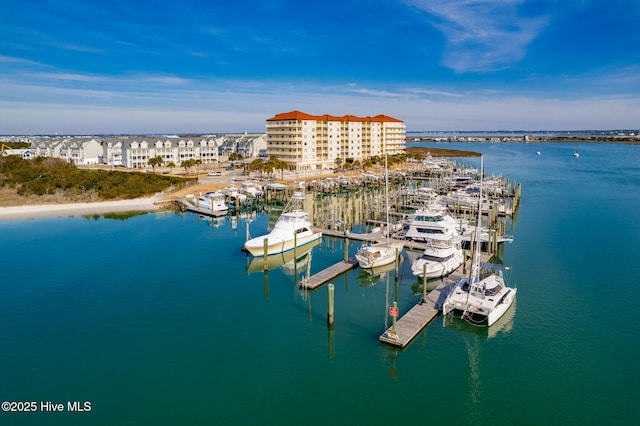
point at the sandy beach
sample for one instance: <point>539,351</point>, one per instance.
<point>76,209</point>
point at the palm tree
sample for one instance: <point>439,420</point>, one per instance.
<point>338,162</point>
<point>155,161</point>
<point>187,164</point>
<point>256,165</point>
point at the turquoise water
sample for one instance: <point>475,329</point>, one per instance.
<point>155,319</point>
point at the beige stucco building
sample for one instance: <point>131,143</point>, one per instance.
<point>310,142</point>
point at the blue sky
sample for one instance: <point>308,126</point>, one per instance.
<point>85,67</point>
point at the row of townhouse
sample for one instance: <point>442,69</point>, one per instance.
<point>135,151</point>
<point>80,151</point>
<point>309,142</point>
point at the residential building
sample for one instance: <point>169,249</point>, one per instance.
<point>25,153</point>
<point>81,152</point>
<point>135,152</point>
<point>310,142</point>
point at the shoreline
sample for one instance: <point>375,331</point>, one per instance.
<point>36,211</point>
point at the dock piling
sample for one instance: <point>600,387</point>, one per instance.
<point>265,249</point>
<point>330,287</point>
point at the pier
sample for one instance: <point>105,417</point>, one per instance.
<point>418,317</point>
<point>320,278</point>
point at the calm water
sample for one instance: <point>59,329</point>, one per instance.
<point>156,320</point>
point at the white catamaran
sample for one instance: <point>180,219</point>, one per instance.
<point>480,300</point>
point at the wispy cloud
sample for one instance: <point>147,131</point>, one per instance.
<point>482,35</point>
<point>376,93</point>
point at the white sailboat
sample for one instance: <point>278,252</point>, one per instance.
<point>576,153</point>
<point>384,252</point>
<point>480,300</point>
<point>292,230</point>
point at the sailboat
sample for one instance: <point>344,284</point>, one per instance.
<point>384,252</point>
<point>480,300</point>
<point>576,153</point>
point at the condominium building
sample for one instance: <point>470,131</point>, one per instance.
<point>309,142</point>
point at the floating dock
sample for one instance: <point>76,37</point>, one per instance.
<point>418,317</point>
<point>317,279</point>
<point>371,237</point>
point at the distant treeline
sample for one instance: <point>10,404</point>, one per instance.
<point>49,176</point>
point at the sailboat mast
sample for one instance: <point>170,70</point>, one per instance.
<point>475,274</point>
<point>386,192</point>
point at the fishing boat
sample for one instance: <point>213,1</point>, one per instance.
<point>291,230</point>
<point>211,203</point>
<point>480,299</point>
<point>442,255</point>
<point>383,252</point>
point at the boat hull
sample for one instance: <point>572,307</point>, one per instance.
<point>474,310</point>
<point>436,269</point>
<point>277,245</point>
<point>377,255</point>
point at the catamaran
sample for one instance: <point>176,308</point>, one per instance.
<point>480,299</point>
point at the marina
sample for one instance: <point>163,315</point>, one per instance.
<point>119,316</point>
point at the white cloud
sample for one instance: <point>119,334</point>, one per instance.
<point>482,35</point>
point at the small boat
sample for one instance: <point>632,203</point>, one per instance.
<point>480,300</point>
<point>292,230</point>
<point>378,254</point>
<point>275,186</point>
<point>211,203</point>
<point>384,252</point>
<point>576,153</point>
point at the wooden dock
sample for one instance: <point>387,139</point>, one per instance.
<point>372,237</point>
<point>418,317</point>
<point>317,279</point>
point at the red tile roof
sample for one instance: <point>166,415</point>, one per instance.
<point>298,115</point>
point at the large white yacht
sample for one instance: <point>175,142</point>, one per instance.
<point>292,230</point>
<point>433,220</point>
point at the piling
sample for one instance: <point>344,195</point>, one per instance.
<point>346,249</point>
<point>424,283</point>
<point>265,258</point>
<point>331,304</point>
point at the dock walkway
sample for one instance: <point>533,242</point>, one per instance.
<point>418,317</point>
<point>371,237</point>
<point>317,279</point>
